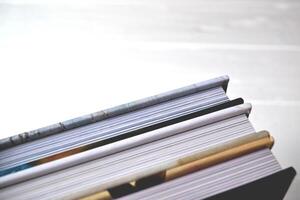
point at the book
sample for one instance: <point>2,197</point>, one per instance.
<point>189,143</point>
<point>97,129</point>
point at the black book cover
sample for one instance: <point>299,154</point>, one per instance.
<point>273,187</point>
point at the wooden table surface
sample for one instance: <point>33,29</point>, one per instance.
<point>64,58</point>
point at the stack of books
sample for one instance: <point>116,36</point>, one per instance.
<point>188,143</point>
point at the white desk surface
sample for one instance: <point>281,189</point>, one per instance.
<point>64,58</point>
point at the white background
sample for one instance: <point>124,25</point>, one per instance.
<point>60,59</point>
